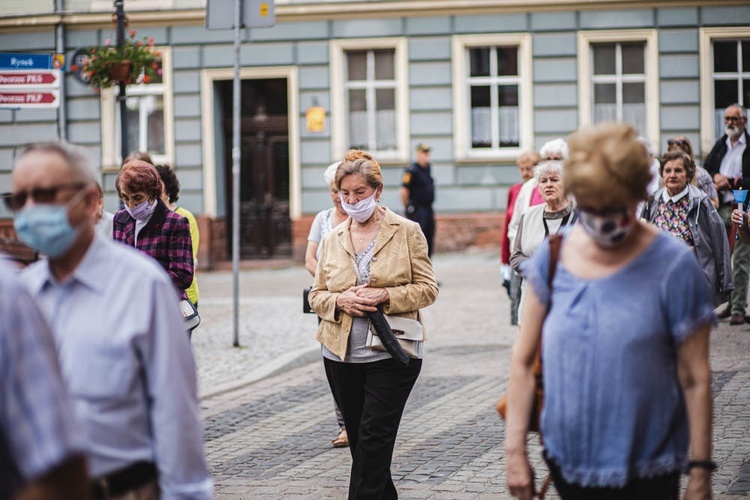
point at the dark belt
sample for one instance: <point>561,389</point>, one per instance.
<point>121,481</point>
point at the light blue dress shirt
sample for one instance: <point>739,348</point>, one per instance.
<point>613,405</point>
<point>37,425</point>
<point>128,365</point>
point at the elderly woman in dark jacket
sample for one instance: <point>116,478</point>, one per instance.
<point>687,213</point>
<point>148,225</point>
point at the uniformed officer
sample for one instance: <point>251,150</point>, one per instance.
<point>418,194</point>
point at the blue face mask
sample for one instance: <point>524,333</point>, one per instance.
<point>45,228</point>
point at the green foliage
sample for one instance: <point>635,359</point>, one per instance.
<point>143,57</point>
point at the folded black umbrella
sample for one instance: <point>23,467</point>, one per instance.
<point>388,338</point>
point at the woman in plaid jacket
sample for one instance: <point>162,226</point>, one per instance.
<point>148,225</point>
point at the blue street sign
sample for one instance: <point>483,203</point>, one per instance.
<point>25,61</point>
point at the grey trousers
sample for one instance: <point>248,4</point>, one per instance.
<point>515,295</point>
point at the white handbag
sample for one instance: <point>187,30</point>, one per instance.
<point>408,332</point>
<point>190,313</point>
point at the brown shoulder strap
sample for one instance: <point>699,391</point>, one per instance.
<point>555,243</point>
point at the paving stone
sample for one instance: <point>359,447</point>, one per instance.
<point>269,419</point>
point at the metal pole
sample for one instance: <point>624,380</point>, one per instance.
<point>121,98</point>
<point>62,116</point>
<point>236,96</point>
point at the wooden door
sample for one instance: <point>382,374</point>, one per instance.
<point>265,225</point>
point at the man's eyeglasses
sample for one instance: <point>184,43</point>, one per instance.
<point>678,142</point>
<point>16,201</point>
<point>733,119</point>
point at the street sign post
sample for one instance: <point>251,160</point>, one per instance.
<point>253,13</point>
<point>30,80</point>
<point>236,14</point>
<point>28,98</point>
<point>49,78</point>
<point>25,61</point>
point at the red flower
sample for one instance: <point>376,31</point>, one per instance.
<point>146,79</point>
<point>132,33</point>
<point>151,41</point>
<point>74,67</point>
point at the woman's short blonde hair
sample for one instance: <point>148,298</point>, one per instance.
<point>609,163</point>
<point>360,163</point>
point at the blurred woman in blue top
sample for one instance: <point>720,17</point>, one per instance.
<point>625,346</point>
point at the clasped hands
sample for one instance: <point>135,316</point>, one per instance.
<point>361,299</point>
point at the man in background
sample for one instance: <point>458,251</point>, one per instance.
<point>729,166</point>
<point>418,194</point>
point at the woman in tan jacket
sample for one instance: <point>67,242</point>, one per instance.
<point>374,260</point>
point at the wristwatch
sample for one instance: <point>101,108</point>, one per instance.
<point>709,465</point>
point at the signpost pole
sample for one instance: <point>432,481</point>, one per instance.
<point>236,155</point>
<point>121,98</point>
<point>62,116</point>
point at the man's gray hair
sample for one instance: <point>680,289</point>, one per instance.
<point>555,147</point>
<point>743,111</point>
<point>76,158</point>
<point>548,167</point>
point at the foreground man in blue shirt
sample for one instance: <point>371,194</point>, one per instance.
<point>121,342</point>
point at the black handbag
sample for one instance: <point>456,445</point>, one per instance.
<point>305,303</point>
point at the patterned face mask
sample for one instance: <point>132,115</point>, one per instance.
<point>607,230</point>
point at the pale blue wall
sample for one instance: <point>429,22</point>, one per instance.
<point>472,187</point>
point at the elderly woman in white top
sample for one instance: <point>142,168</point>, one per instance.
<point>540,221</point>
<point>556,149</point>
<point>323,224</point>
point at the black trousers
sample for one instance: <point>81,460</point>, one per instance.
<point>665,487</point>
<point>425,217</point>
<point>372,397</point>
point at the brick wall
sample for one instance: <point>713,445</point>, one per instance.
<point>454,233</point>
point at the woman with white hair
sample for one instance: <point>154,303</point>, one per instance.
<point>542,220</point>
<point>323,224</point>
<point>529,196</point>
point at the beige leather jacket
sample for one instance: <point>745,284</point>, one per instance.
<point>399,264</point>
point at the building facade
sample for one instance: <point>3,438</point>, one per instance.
<point>479,81</point>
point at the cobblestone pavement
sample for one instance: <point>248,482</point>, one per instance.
<point>269,414</point>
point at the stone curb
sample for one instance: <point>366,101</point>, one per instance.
<point>283,363</point>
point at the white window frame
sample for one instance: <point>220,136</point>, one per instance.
<point>706,38</point>
<point>651,67</point>
<point>339,96</point>
<point>110,126</point>
<point>464,153</point>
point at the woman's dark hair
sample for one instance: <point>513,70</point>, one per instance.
<point>171,184</point>
<point>678,154</point>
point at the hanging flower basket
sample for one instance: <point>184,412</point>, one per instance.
<point>119,72</point>
<point>137,61</point>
